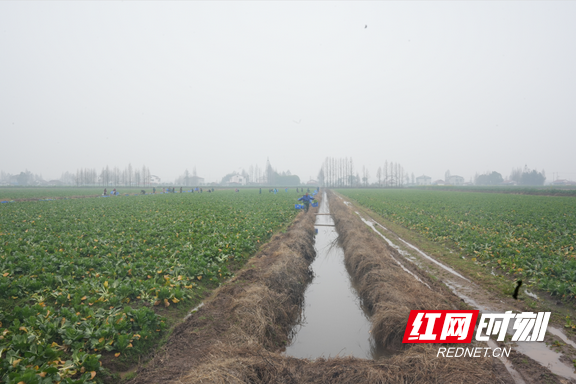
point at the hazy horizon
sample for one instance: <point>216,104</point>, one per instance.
<point>468,87</point>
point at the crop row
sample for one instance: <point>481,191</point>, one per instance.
<point>82,277</point>
<point>11,193</point>
<point>533,237</point>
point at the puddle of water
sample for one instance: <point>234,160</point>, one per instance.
<point>371,225</point>
<point>560,334</point>
<point>540,352</point>
<point>333,321</point>
<point>433,260</point>
<point>457,290</point>
<point>531,294</point>
<point>537,351</point>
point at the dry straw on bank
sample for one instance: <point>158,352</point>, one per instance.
<point>238,336</point>
<point>386,289</point>
<point>256,309</point>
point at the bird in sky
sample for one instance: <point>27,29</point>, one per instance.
<point>366,26</point>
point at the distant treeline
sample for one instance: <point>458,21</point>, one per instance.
<point>550,191</point>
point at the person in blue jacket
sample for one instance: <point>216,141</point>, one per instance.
<point>306,199</point>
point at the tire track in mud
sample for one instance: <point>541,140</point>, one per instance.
<point>478,298</point>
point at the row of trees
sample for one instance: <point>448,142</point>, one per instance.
<point>23,178</point>
<point>339,172</point>
<point>128,177</point>
<point>525,177</point>
<point>392,175</point>
<point>266,176</point>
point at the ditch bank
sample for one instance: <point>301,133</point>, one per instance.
<point>241,331</point>
<point>334,322</point>
<point>253,312</point>
<point>528,362</point>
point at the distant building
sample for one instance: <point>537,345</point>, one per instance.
<point>196,180</point>
<point>312,182</point>
<point>563,182</point>
<point>237,180</point>
<point>508,183</point>
<point>423,180</point>
<point>455,180</point>
<point>439,182</point>
<point>55,183</point>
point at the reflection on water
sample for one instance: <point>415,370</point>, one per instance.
<point>333,321</point>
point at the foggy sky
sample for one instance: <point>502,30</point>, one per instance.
<point>461,86</point>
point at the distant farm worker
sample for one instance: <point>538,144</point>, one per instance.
<point>306,199</point>
<point>180,189</point>
<point>114,191</point>
<point>154,190</point>
<point>104,191</point>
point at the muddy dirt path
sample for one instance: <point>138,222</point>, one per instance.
<point>558,362</point>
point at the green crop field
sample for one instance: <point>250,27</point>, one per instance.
<point>533,237</point>
<point>16,193</point>
<point>81,277</point>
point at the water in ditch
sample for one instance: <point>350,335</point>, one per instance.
<point>333,321</point>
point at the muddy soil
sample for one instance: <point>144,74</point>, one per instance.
<point>549,361</point>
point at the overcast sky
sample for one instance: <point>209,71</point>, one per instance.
<point>461,86</point>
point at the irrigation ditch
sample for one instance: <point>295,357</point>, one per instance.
<point>247,329</point>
